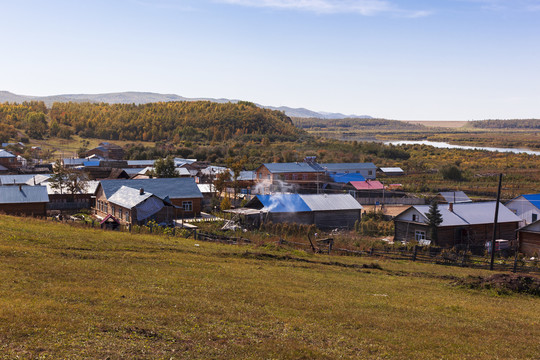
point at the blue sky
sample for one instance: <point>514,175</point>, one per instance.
<point>397,59</point>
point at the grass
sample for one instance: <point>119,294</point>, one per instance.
<point>80,293</point>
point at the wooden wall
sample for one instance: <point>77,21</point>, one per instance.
<point>529,243</point>
<point>28,209</point>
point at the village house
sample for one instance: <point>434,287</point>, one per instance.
<point>367,170</point>
<point>527,207</point>
<point>464,224</point>
<point>181,192</point>
<point>129,206</point>
<point>9,161</point>
<point>324,211</point>
<point>24,200</point>
<point>392,171</point>
<point>529,239</point>
<point>299,176</point>
<point>107,150</point>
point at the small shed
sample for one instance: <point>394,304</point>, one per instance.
<point>529,239</point>
<point>392,171</point>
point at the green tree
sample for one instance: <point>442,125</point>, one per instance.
<point>59,177</point>
<point>452,172</point>
<point>435,219</point>
<point>36,125</point>
<point>165,168</point>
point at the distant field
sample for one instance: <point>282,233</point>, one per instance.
<point>76,293</point>
<point>444,124</point>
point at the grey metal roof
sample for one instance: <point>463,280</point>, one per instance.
<point>132,171</point>
<point>455,196</point>
<point>174,188</point>
<point>349,166</point>
<point>15,179</point>
<point>128,197</point>
<point>470,213</point>
<point>38,179</point>
<point>331,202</point>
<point>6,154</point>
<point>73,162</point>
<point>141,163</point>
<point>391,169</point>
<point>296,167</point>
<point>24,194</point>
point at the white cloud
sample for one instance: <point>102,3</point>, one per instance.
<point>362,7</point>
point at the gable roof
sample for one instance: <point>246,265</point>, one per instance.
<point>533,199</point>
<point>286,203</point>
<point>326,202</point>
<point>391,169</point>
<point>296,167</point>
<point>367,185</point>
<point>468,213</point>
<point>20,179</point>
<point>128,197</point>
<point>23,194</point>
<point>174,188</point>
<point>6,154</point>
<point>455,196</point>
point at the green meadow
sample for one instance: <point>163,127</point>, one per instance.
<point>68,292</point>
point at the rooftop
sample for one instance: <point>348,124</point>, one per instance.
<point>174,188</point>
<point>23,194</point>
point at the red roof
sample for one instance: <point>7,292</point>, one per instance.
<point>367,185</point>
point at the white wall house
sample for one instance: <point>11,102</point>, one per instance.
<point>527,207</point>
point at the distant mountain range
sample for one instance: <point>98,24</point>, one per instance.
<point>133,97</point>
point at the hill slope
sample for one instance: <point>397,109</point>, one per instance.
<point>75,293</point>
<point>134,97</point>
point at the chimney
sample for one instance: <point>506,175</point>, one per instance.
<point>451,207</point>
<point>141,191</point>
<point>20,187</point>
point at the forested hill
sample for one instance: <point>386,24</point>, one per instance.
<point>506,124</point>
<point>194,121</point>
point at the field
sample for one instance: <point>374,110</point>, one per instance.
<point>78,293</point>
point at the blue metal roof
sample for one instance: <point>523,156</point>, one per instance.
<point>91,163</point>
<point>174,188</point>
<point>24,194</point>
<point>533,199</point>
<point>283,203</point>
<point>345,178</point>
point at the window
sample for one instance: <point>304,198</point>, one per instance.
<point>112,210</point>
<point>419,235</point>
<point>534,217</point>
<point>415,217</point>
<point>120,213</point>
<point>304,177</point>
<point>260,175</point>
<point>106,209</point>
<point>268,176</point>
<point>187,205</point>
<point>295,176</point>
<point>370,172</point>
<point>127,216</point>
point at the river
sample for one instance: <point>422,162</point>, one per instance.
<point>440,144</point>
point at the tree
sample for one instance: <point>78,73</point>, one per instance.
<point>435,219</point>
<point>59,177</point>
<point>165,168</point>
<point>220,182</point>
<point>451,172</point>
<point>36,125</point>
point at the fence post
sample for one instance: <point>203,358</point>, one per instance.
<point>514,270</point>
<point>371,251</point>
<point>415,251</point>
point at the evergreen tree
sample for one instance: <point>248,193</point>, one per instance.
<point>165,168</point>
<point>435,219</point>
<point>59,178</point>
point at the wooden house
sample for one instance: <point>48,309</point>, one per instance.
<point>136,206</point>
<point>464,224</point>
<point>298,176</point>
<point>9,161</point>
<point>24,200</point>
<point>107,150</point>
<point>529,239</point>
<point>181,192</point>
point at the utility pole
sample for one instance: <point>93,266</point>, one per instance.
<point>495,224</point>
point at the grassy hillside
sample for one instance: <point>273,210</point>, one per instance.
<point>78,293</point>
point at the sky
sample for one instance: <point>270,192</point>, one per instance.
<point>394,59</point>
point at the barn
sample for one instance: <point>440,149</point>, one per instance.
<point>24,200</point>
<point>324,211</point>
